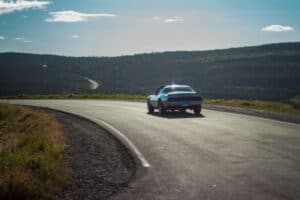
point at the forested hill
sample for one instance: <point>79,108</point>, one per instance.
<point>269,72</point>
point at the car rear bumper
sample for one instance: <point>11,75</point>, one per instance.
<point>181,105</point>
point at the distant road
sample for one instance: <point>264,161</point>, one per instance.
<point>93,85</point>
<point>218,156</point>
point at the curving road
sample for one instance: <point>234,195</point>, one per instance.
<point>217,156</point>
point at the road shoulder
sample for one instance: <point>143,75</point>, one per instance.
<point>257,113</point>
<point>100,164</point>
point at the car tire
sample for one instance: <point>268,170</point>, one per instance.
<point>161,109</point>
<point>197,110</point>
<point>182,110</point>
<point>150,107</point>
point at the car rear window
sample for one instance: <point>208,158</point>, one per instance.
<point>177,89</point>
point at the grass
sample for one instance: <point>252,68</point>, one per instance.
<point>31,154</point>
<point>79,96</point>
<point>295,102</point>
<point>291,107</point>
<point>255,104</point>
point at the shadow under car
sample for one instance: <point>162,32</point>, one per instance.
<point>177,114</point>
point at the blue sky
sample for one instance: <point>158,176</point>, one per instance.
<point>121,27</point>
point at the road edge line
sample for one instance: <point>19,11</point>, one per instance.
<point>125,140</point>
<point>136,154</point>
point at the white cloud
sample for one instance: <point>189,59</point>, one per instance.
<point>22,39</point>
<point>277,28</point>
<point>170,20</point>
<point>19,38</point>
<point>174,20</point>
<point>73,16</point>
<point>11,6</point>
<point>156,18</point>
<point>2,38</point>
<point>75,36</point>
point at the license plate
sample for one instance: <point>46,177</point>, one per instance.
<point>185,104</point>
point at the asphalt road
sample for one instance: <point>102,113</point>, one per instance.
<point>217,156</point>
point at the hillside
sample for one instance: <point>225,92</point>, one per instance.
<point>268,72</point>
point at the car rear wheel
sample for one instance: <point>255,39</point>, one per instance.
<point>150,107</point>
<point>161,109</point>
<point>197,110</point>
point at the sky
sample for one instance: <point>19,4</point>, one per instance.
<point>123,27</point>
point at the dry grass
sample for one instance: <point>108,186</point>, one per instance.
<point>295,102</point>
<point>256,104</point>
<point>79,96</point>
<point>31,154</point>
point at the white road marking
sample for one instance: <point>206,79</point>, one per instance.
<point>118,134</point>
<point>124,139</point>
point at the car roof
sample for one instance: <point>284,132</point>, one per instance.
<point>175,85</point>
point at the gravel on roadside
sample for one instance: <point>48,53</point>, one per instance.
<point>100,164</point>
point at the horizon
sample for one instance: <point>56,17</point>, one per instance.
<point>149,53</point>
<point>130,27</point>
